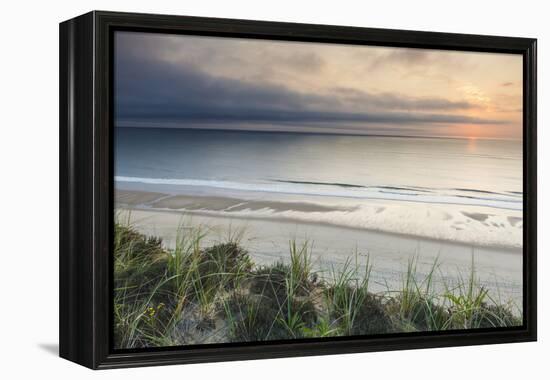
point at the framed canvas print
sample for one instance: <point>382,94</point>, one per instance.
<point>239,189</point>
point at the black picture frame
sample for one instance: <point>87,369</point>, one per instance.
<point>86,187</point>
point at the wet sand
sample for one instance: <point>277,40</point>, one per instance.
<point>213,203</point>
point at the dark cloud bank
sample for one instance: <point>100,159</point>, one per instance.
<point>157,92</point>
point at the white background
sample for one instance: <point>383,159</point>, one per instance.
<point>29,188</point>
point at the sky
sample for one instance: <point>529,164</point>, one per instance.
<point>178,81</point>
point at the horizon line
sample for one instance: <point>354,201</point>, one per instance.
<point>329,133</point>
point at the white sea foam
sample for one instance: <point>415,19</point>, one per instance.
<point>471,197</point>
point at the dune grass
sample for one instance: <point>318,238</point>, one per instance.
<point>197,294</point>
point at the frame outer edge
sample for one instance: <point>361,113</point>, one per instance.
<point>76,256</point>
<point>66,326</point>
<point>85,183</point>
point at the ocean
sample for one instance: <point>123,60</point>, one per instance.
<point>453,189</point>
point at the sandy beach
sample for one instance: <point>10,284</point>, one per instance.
<point>267,239</point>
